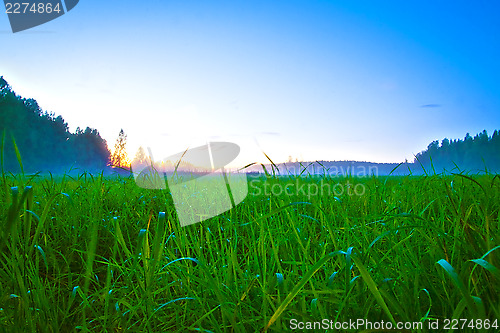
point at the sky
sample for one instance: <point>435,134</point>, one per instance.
<point>310,80</point>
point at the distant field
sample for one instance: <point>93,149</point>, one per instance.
<point>95,254</point>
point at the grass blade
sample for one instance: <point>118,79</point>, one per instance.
<point>459,284</point>
<point>373,288</point>
<point>299,286</point>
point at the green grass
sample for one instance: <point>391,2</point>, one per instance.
<point>97,254</point>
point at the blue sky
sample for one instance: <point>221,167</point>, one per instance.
<point>315,80</point>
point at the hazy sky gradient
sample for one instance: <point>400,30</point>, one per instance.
<point>318,80</point>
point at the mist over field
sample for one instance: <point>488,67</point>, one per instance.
<point>45,144</point>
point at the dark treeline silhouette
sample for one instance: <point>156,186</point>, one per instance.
<point>478,153</point>
<point>43,139</point>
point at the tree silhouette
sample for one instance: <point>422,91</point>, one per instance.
<point>120,158</point>
<point>140,156</point>
<point>472,153</point>
<point>43,138</point>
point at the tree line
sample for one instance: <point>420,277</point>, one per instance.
<point>45,143</point>
<point>478,153</point>
<point>43,139</point>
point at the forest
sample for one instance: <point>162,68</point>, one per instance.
<point>478,153</point>
<point>43,140</point>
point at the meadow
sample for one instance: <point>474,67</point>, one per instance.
<point>91,253</point>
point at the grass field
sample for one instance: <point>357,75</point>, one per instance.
<point>98,254</point>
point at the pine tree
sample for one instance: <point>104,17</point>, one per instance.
<point>120,158</point>
<point>140,156</point>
